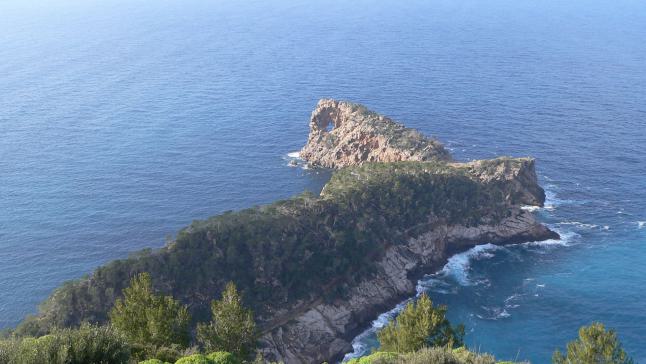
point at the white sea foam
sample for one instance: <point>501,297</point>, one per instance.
<point>530,208</point>
<point>641,224</point>
<point>359,348</point>
<point>295,155</point>
<point>579,224</point>
<point>458,265</point>
<point>493,313</point>
<point>567,238</point>
<point>552,201</point>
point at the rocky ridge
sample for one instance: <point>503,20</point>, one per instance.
<point>344,134</point>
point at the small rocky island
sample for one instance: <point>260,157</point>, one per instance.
<point>317,270</point>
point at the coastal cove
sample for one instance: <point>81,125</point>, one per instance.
<point>103,156</point>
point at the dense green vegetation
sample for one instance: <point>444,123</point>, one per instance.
<point>87,344</point>
<point>595,345</point>
<point>152,329</point>
<point>280,253</point>
<point>146,327</point>
<point>435,355</point>
<point>420,325</point>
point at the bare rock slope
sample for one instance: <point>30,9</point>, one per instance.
<point>344,134</point>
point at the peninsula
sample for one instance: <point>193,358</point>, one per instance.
<point>317,270</point>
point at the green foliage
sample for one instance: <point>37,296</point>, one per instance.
<point>595,345</point>
<point>375,358</point>
<point>152,361</point>
<point>150,321</point>
<point>223,357</point>
<point>420,325</point>
<point>194,359</point>
<point>232,327</point>
<point>437,355</point>
<point>87,344</point>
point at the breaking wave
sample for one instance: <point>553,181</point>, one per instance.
<point>567,239</point>
<point>458,265</point>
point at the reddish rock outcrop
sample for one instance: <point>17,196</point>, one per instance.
<point>344,134</point>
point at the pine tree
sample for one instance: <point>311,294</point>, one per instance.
<point>595,345</point>
<point>420,325</point>
<point>232,327</point>
<point>148,319</point>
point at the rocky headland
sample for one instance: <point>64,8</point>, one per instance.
<point>346,134</point>
<point>318,269</point>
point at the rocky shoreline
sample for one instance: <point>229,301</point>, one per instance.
<point>326,330</point>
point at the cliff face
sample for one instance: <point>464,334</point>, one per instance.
<point>516,176</point>
<point>317,270</point>
<point>345,134</point>
<point>324,331</point>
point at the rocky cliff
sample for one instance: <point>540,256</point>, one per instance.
<point>344,134</point>
<point>324,330</point>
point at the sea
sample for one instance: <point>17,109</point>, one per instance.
<point>121,121</point>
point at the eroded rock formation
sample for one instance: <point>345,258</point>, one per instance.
<point>344,134</point>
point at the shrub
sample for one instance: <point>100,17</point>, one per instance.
<point>427,356</point>
<point>223,357</point>
<point>595,345</point>
<point>232,327</point>
<point>420,325</point>
<point>152,361</point>
<point>148,320</point>
<point>87,344</point>
<point>194,359</point>
<point>375,358</point>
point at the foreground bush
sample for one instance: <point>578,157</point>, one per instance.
<point>420,325</point>
<point>194,359</point>
<point>232,327</point>
<point>149,321</point>
<point>595,345</point>
<point>152,361</point>
<point>223,357</point>
<point>427,356</point>
<point>88,344</point>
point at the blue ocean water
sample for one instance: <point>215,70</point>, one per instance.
<point>122,121</point>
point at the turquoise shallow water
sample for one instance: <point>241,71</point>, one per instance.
<point>122,121</point>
